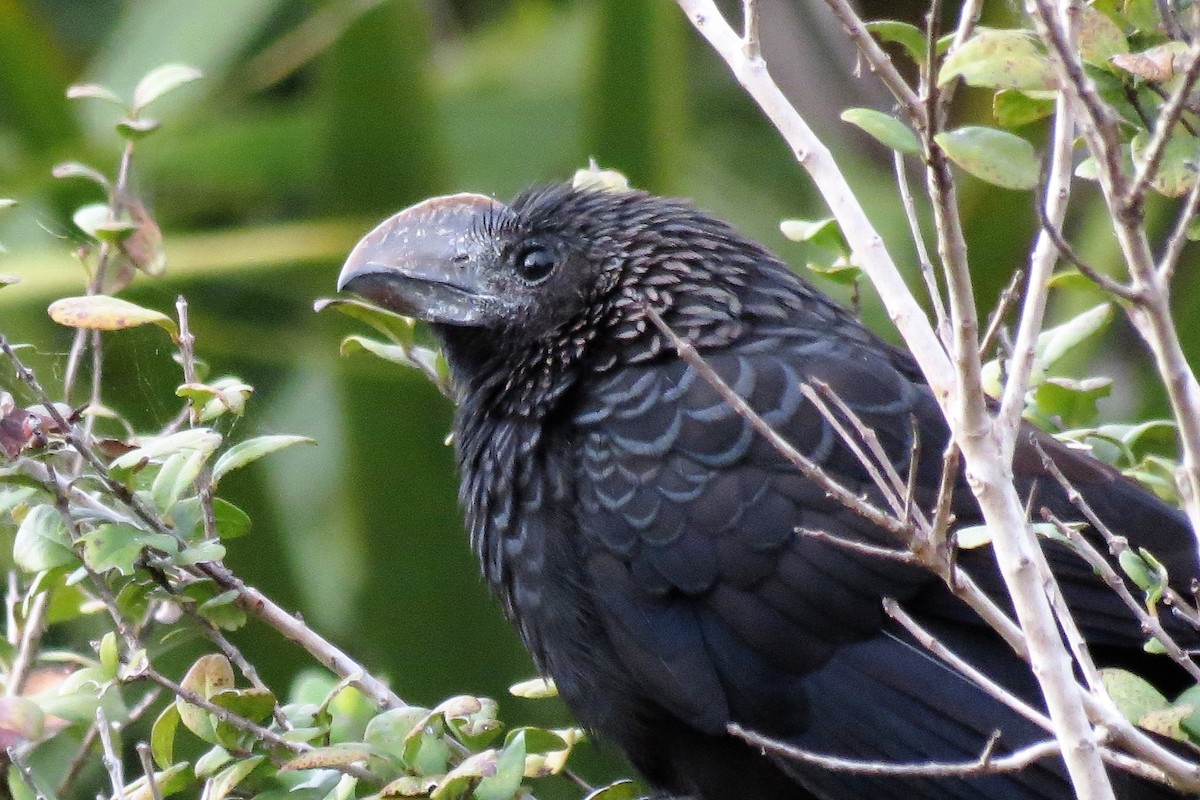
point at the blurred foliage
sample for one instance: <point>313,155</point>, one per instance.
<point>315,119</point>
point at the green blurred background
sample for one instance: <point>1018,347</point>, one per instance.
<point>316,119</point>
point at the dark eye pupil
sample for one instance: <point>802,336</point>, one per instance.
<point>535,263</point>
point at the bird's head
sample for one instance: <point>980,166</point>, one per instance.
<point>558,279</point>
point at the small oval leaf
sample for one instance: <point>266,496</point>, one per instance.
<point>161,80</point>
<point>75,169</point>
<point>998,157</point>
<point>94,91</point>
<point>101,312</point>
<point>904,34</point>
<point>885,128</point>
<point>999,59</point>
<point>250,450</point>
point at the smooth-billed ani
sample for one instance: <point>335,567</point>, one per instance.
<point>643,538</point>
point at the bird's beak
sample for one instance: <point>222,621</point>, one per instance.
<point>424,261</point>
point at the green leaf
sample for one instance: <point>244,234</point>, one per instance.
<point>224,395</point>
<point>510,768</point>
<point>212,761</point>
<point>17,788</point>
<point>16,497</point>
<point>172,780</point>
<point>1056,342</point>
<point>823,233</point>
<point>104,313</point>
<point>96,220</point>
<point>389,730</point>
<point>396,327</point>
<point>426,754</point>
<point>1136,568</point>
<point>1176,173</point>
<point>177,475</point>
<point>119,546</point>
<point>992,155</point>
<point>200,553</point>
<point>885,128</point>
<point>232,522</point>
<point>219,786</point>
<point>154,448</point>
<point>1013,108</point>
<point>1071,401</point>
<point>255,705</point>
<point>162,736</point>
<point>1191,723</point>
<point>161,80</point>
<point>42,541</point>
<point>137,129</point>
<point>1099,38</point>
<point>907,36</point>
<point>223,611</point>
<point>251,450</point>
<point>209,675</point>
<point>999,59</point>
<point>110,659</point>
<point>1134,696</point>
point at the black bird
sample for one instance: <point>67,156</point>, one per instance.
<point>643,538</point>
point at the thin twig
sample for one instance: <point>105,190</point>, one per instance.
<point>879,62</point>
<point>143,751</point>
<point>867,245</point>
<point>1179,236</point>
<point>112,762</point>
<point>83,753</point>
<point>964,667</point>
<point>1105,282</point>
<point>235,656</point>
<point>875,551</point>
<point>16,755</point>
<point>1052,209</point>
<point>31,637</point>
<point>928,273</point>
<point>187,357</point>
<point>1150,624</point>
<point>874,459</point>
<point>996,319</point>
<point>986,764</point>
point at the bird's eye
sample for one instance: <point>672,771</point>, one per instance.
<point>534,263</point>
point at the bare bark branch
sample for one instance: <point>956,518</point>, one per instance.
<point>987,763</point>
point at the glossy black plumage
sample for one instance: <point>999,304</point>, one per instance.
<point>642,537</point>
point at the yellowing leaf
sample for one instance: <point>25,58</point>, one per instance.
<point>100,312</point>
<point>999,59</point>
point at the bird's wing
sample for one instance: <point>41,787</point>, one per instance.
<point>721,612</point>
<point>689,518</point>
